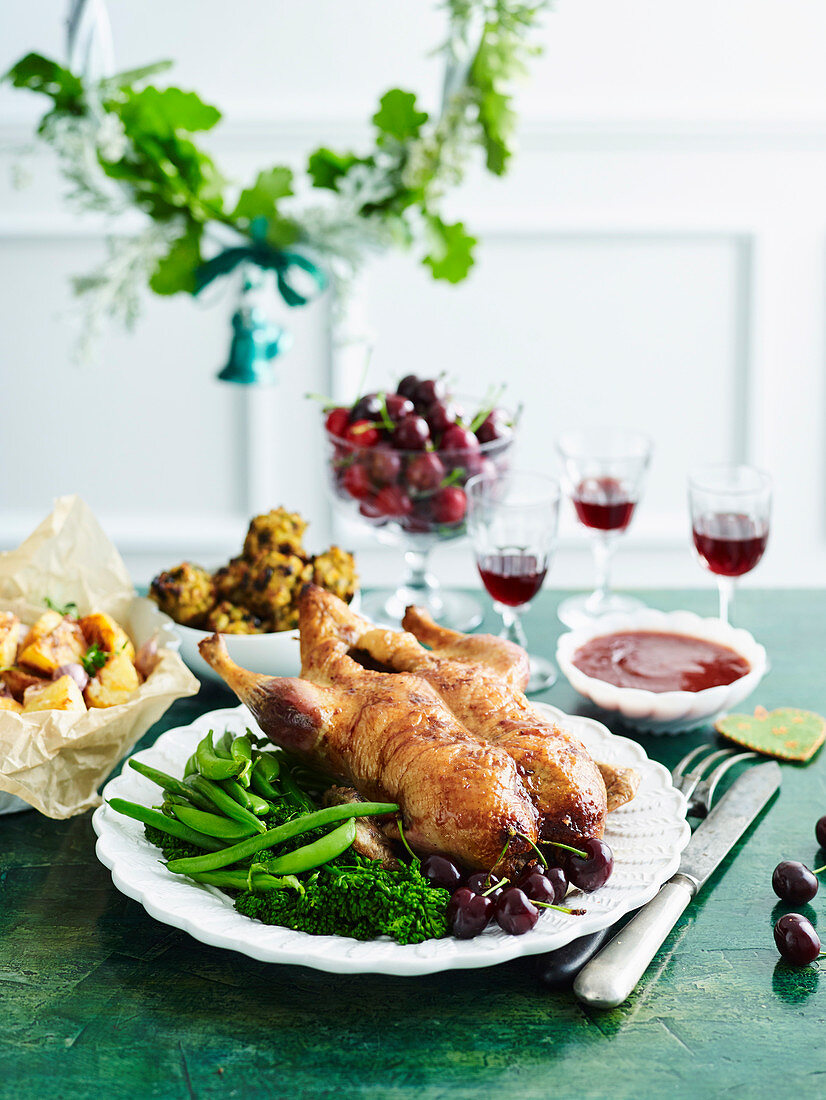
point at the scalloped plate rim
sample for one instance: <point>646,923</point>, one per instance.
<point>122,849</point>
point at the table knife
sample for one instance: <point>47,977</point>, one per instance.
<point>611,976</point>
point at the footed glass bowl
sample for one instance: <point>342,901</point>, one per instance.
<point>413,499</point>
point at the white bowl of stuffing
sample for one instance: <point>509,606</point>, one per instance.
<point>252,600</point>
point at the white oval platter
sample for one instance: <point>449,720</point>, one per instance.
<point>647,837</point>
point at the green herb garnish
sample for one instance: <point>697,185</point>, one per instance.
<point>69,608</point>
<point>93,659</point>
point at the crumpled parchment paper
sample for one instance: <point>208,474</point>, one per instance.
<point>55,760</point>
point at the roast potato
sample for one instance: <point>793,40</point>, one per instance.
<point>61,694</point>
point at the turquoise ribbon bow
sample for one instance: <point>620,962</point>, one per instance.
<point>259,252</point>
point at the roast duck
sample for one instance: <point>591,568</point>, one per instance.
<point>442,728</point>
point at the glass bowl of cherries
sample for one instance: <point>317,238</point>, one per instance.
<point>399,461</point>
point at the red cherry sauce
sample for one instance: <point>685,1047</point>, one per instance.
<point>603,503</point>
<point>656,661</point>
<point>512,579</point>
<point>729,543</point>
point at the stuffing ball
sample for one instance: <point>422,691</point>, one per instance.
<point>231,580</point>
<point>229,618</point>
<point>335,570</point>
<point>185,593</point>
<point>274,582</point>
<point>275,530</point>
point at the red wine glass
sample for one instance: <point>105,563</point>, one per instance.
<point>603,474</point>
<point>512,520</point>
<point>730,513</point>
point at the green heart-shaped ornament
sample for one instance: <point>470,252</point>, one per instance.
<point>789,733</point>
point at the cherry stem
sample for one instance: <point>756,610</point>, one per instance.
<point>501,855</point>
<point>542,858</point>
<point>496,886</point>
<point>567,847</point>
<point>817,870</point>
<point>564,909</point>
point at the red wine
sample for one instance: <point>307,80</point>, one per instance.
<point>603,503</point>
<point>512,579</point>
<point>729,543</point>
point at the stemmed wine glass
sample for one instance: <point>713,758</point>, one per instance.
<point>513,520</point>
<point>603,474</point>
<point>730,513</point>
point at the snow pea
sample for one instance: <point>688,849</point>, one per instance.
<point>315,854</point>
<point>211,824</point>
<point>210,764</point>
<point>241,752</point>
<point>170,784</point>
<point>264,773</point>
<point>227,805</point>
<point>248,799</point>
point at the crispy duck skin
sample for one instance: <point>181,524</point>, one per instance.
<point>392,738</point>
<point>476,676</point>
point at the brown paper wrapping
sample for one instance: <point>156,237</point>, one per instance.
<point>55,760</point>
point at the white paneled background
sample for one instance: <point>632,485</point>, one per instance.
<point>656,258</point>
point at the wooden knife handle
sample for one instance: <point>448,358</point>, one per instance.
<point>611,976</point>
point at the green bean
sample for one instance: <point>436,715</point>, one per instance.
<point>244,880</point>
<point>250,801</point>
<point>166,825</point>
<point>210,764</point>
<point>315,854</point>
<point>241,751</point>
<point>281,833</point>
<point>170,784</point>
<point>227,804</point>
<point>212,824</point>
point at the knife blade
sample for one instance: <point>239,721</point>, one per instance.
<point>610,977</point>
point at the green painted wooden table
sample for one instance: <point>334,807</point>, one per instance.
<point>98,999</point>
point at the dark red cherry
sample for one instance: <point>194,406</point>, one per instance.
<point>820,832</point>
<point>429,391</point>
<point>441,871</point>
<point>393,501</point>
<point>794,882</point>
<point>493,427</point>
<point>336,422</point>
<point>514,912</point>
<point>385,465</point>
<point>796,939</point>
<point>356,481</point>
<point>399,406</point>
<point>593,871</point>
<point>480,881</point>
<point>457,438</point>
<point>362,433</point>
<point>366,408</point>
<point>537,887</point>
<point>468,913</point>
<point>411,434</point>
<point>424,472</point>
<point>449,505</point>
<point>408,386</point>
<point>440,416</point>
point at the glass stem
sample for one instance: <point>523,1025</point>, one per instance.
<point>725,586</point>
<point>419,587</point>
<point>512,623</point>
<point>603,553</point>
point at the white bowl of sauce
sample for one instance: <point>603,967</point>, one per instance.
<point>662,672</point>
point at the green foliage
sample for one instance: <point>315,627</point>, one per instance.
<point>397,116</point>
<point>451,253</point>
<point>93,659</point>
<point>393,189</point>
<point>326,168</point>
<point>176,271</point>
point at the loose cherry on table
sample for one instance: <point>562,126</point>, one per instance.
<point>820,832</point>
<point>795,882</point>
<point>796,939</point>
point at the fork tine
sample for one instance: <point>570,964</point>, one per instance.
<point>679,769</point>
<point>721,769</point>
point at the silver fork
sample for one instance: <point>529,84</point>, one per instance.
<point>699,790</point>
<point>558,969</point>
